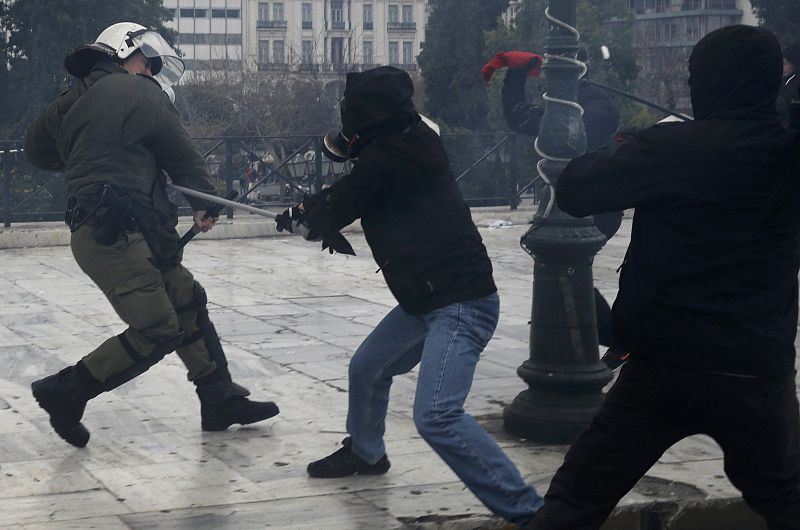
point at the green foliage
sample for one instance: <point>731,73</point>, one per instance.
<point>782,17</point>
<point>452,57</point>
<point>42,33</point>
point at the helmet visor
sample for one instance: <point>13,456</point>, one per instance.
<point>153,46</point>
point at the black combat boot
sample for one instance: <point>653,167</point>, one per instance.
<point>223,403</point>
<point>64,396</point>
<point>344,463</point>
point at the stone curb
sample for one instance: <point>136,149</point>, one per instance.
<point>24,235</point>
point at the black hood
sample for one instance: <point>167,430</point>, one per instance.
<point>378,102</point>
<point>735,72</point>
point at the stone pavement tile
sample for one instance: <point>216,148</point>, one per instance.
<point>305,353</point>
<point>486,369</point>
<point>44,477</point>
<point>706,475</point>
<point>26,363</point>
<point>182,484</point>
<point>414,503</point>
<point>47,509</point>
<point>108,452</point>
<point>277,308</point>
<point>329,512</point>
<point>282,338</point>
<point>11,421</point>
<point>9,338</point>
<point>324,370</point>
<point>100,523</point>
<point>694,448</point>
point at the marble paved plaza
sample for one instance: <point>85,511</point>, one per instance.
<point>290,317</point>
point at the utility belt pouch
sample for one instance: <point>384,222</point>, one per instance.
<point>73,215</point>
<point>113,215</point>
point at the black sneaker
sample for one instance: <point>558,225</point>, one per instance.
<point>615,358</point>
<point>344,463</point>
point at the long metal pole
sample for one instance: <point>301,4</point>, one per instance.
<point>224,202</point>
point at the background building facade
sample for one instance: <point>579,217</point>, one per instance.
<point>210,32</point>
<point>298,35</point>
<point>665,31</point>
<point>333,35</point>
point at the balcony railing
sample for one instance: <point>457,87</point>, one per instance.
<point>368,25</point>
<point>401,26</point>
<point>308,67</point>
<point>270,24</point>
<point>307,24</point>
<point>337,25</point>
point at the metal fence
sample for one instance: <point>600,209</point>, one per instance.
<point>492,170</point>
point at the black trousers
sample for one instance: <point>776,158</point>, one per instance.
<point>651,407</point>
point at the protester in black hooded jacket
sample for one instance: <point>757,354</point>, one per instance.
<point>707,303</point>
<point>431,255</point>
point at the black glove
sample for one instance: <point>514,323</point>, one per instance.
<point>294,220</point>
<point>285,220</point>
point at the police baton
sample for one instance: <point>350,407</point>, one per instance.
<point>338,242</point>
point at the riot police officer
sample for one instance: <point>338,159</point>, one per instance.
<point>114,134</point>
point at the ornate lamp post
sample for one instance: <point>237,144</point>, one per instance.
<point>564,374</point>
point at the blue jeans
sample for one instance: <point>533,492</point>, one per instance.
<point>447,344</point>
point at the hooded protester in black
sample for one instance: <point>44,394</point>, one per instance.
<point>710,277</point>
<point>707,303</point>
<point>414,217</point>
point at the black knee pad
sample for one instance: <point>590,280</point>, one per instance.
<point>208,332</point>
<point>141,363</point>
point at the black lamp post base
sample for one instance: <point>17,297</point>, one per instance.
<point>550,417</point>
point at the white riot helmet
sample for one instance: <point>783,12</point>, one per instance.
<point>120,41</point>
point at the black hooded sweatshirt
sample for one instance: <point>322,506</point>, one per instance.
<point>415,220</point>
<point>709,282</point>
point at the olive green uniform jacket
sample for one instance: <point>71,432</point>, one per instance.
<point>117,128</point>
<point>121,129</point>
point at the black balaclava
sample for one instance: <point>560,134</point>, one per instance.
<point>378,102</point>
<point>735,72</point>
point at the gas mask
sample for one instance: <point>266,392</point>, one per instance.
<point>344,144</point>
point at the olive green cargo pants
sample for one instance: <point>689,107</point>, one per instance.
<point>146,298</point>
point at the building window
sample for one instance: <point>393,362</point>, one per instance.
<point>194,13</point>
<point>408,13</point>
<point>306,51</point>
<point>306,16</point>
<point>367,16</point>
<point>232,13</point>
<point>337,11</point>
<point>217,13</point>
<point>185,38</point>
<point>394,14</point>
<point>368,52</point>
<point>394,53</point>
<point>277,52</point>
<point>408,53</point>
<point>263,11</point>
<point>263,51</point>
<point>337,50</point>
<point>277,11</point>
